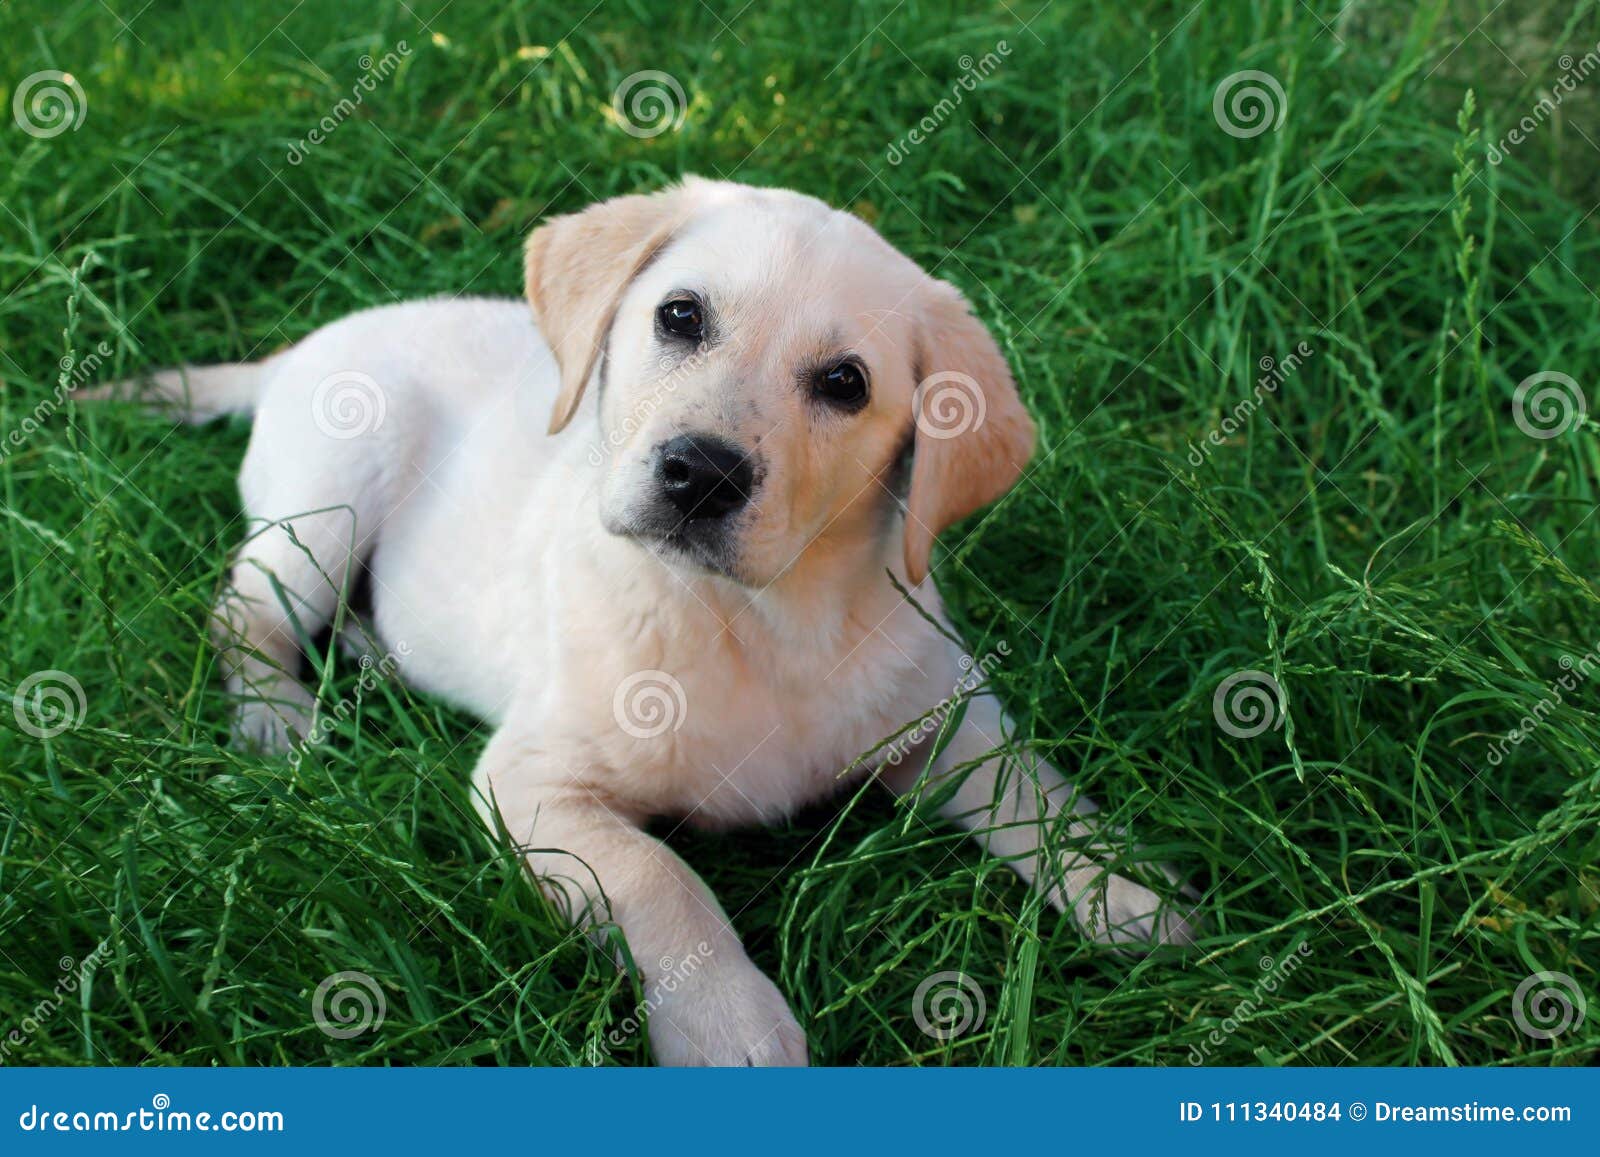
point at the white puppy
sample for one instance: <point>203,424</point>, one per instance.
<point>682,603</point>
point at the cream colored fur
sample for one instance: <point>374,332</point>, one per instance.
<point>509,568</point>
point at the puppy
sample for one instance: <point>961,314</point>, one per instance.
<point>687,600</point>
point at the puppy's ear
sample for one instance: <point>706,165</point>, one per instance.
<point>577,269</point>
<point>972,438</point>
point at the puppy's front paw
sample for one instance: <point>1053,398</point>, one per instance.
<point>1117,911</point>
<point>273,726</point>
<point>726,1016</point>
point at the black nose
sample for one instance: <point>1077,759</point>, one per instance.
<point>703,476</point>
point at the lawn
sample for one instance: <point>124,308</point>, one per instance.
<point>1301,585</point>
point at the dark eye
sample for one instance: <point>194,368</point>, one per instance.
<point>844,385</point>
<point>682,316</point>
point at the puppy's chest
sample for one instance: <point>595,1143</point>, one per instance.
<point>754,745</point>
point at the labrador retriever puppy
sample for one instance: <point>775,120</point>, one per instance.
<point>659,535</point>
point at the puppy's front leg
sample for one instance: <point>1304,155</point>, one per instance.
<point>1021,809</point>
<point>707,1003</point>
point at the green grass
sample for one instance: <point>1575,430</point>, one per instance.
<point>1379,535</point>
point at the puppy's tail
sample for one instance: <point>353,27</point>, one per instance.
<point>192,394</point>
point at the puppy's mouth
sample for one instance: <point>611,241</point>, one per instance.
<point>705,544</point>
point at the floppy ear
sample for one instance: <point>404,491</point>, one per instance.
<point>972,437</point>
<point>577,268</point>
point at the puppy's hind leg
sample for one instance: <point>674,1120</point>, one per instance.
<point>284,587</point>
<point>318,502</point>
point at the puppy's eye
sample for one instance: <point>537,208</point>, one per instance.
<point>682,316</point>
<point>843,385</point>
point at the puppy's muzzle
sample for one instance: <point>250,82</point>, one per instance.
<point>703,476</point>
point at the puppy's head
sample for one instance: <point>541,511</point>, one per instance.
<point>765,366</point>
